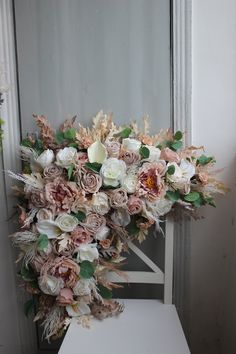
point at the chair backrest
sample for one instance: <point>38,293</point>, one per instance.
<point>156,276</point>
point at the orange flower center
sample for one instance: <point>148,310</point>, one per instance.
<point>150,182</point>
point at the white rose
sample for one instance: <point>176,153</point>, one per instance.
<point>50,285</point>
<point>44,214</point>
<point>100,203</point>
<point>155,153</point>
<point>66,157</point>
<point>188,170</point>
<point>87,252</point>
<point>66,222</point>
<point>131,144</point>
<point>183,173</point>
<point>130,182</point>
<point>120,217</point>
<point>97,152</point>
<point>113,171</point>
<point>177,175</point>
<point>102,233</point>
<point>83,287</point>
<point>78,309</point>
<point>49,228</point>
<point>46,158</point>
<point>158,208</point>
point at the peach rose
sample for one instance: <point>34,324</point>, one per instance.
<point>134,205</point>
<point>89,181</point>
<point>118,198</point>
<point>65,297</point>
<point>80,235</point>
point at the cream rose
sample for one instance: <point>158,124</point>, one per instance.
<point>130,182</point>
<point>113,171</point>
<point>118,198</point>
<point>46,158</point>
<point>100,203</point>
<point>102,233</point>
<point>120,217</point>
<point>158,208</point>
<point>87,252</point>
<point>44,214</point>
<point>66,157</point>
<point>131,144</point>
<point>154,153</point>
<point>50,285</point>
<point>183,173</point>
<point>66,222</point>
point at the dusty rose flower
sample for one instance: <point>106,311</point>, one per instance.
<point>89,181</point>
<point>82,158</point>
<point>61,194</point>
<point>66,251</point>
<point>23,216</point>
<point>80,235</point>
<point>105,243</point>
<point>37,199</point>
<point>150,181</point>
<point>169,155</point>
<point>38,261</point>
<point>118,198</point>
<point>65,297</point>
<point>63,268</point>
<point>113,148</point>
<point>94,222</point>
<point>129,157</point>
<point>134,205</point>
<point>53,171</point>
<point>145,225</point>
<point>147,140</point>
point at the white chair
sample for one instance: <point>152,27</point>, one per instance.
<point>145,326</point>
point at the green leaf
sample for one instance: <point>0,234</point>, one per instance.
<point>27,273</point>
<point>192,197</point>
<point>38,146</point>
<point>199,202</point>
<point>178,135</point>
<point>74,145</point>
<point>104,292</point>
<point>159,146</point>
<point>80,215</point>
<point>171,170</point>
<point>27,143</point>
<point>70,134</point>
<point>210,201</point>
<point>59,136</point>
<point>173,195</point>
<point>87,269</point>
<point>70,171</point>
<point>125,133</point>
<point>176,145</point>
<point>28,307</point>
<point>94,166</point>
<point>42,242</point>
<point>144,152</point>
<point>204,160</point>
<point>110,187</point>
<point>132,227</point>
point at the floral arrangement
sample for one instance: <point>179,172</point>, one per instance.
<point>85,193</point>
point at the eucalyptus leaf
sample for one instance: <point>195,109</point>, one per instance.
<point>70,134</point>
<point>125,133</point>
<point>176,145</point>
<point>87,269</point>
<point>80,215</point>
<point>171,170</point>
<point>204,160</point>
<point>70,171</point>
<point>27,273</point>
<point>144,152</point>
<point>178,135</point>
<point>132,227</point>
<point>27,143</point>
<point>59,136</point>
<point>192,197</point>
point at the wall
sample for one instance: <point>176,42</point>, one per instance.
<point>213,240</point>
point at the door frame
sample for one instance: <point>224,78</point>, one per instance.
<point>181,89</point>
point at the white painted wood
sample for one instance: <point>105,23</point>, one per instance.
<point>21,335</point>
<point>145,327</point>
<point>168,280</point>
<point>137,277</point>
<point>182,120</point>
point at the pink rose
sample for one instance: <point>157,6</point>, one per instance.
<point>134,205</point>
<point>82,158</point>
<point>118,198</point>
<point>89,181</point>
<point>129,157</point>
<point>80,235</point>
<point>113,148</point>
<point>94,222</point>
<point>37,199</point>
<point>65,297</point>
<point>169,155</point>
<point>52,171</point>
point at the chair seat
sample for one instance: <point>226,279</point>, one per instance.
<point>145,327</point>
